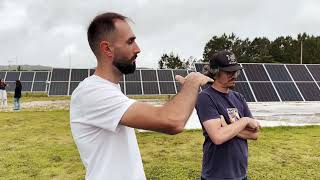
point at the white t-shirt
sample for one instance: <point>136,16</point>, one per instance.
<point>107,149</point>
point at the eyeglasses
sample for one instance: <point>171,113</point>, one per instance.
<point>232,73</point>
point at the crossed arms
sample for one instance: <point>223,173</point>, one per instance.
<point>219,131</point>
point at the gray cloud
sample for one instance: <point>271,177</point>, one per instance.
<point>51,32</point>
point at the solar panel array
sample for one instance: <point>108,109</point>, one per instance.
<point>277,82</point>
<point>141,82</point>
<point>31,81</point>
<point>257,82</point>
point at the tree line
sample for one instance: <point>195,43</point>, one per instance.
<point>284,49</point>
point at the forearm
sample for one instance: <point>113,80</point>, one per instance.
<point>182,105</point>
<point>228,132</point>
<point>247,134</point>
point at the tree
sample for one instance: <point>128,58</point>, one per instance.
<point>170,61</point>
<point>189,63</point>
<point>19,68</point>
<point>259,51</point>
<point>227,42</point>
<point>216,44</point>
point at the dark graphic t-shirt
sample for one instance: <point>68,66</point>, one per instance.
<point>230,159</point>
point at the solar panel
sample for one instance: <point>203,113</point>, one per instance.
<point>255,72</point>
<point>133,88</point>
<point>134,76</point>
<point>2,75</point>
<point>41,76</point>
<point>73,86</point>
<point>10,86</point>
<point>315,71</point>
<point>150,88</point>
<point>264,91</point>
<point>39,86</point>
<point>167,88</point>
<point>58,88</point>
<point>241,76</point>
<point>12,76</point>
<point>299,72</point>
<point>165,75</point>
<point>149,75</point>
<point>309,90</point>
<point>278,72</point>
<point>79,74</point>
<point>244,89</point>
<point>60,75</point>
<point>26,86</point>
<point>288,91</point>
<point>26,76</point>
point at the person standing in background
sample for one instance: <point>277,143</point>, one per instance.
<point>3,94</point>
<point>17,95</point>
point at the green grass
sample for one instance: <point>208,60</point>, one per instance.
<point>38,145</point>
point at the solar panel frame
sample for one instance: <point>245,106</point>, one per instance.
<point>12,76</point>
<point>244,89</point>
<point>278,72</point>
<point>288,91</point>
<point>309,90</point>
<point>59,88</point>
<point>60,74</point>
<point>255,72</point>
<point>165,75</point>
<point>73,86</point>
<point>167,87</point>
<point>299,72</point>
<point>79,74</point>
<point>41,76</point>
<point>150,88</point>
<point>264,92</point>
<point>27,76</point>
<point>3,75</point>
<point>148,75</point>
<point>136,76</point>
<point>26,86</point>
<point>39,86</point>
<point>133,88</point>
<point>314,69</point>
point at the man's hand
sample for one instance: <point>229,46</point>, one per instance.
<point>194,77</point>
<point>253,125</point>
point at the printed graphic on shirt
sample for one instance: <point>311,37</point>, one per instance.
<point>233,114</point>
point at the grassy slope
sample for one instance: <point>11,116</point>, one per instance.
<point>38,145</point>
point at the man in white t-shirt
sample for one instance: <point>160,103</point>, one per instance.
<point>103,119</point>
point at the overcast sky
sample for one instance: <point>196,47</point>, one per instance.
<point>53,32</point>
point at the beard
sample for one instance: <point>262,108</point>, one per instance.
<point>125,65</point>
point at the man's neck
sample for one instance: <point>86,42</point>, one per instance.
<point>217,86</point>
<point>109,73</point>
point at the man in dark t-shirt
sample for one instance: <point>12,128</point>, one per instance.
<point>226,121</point>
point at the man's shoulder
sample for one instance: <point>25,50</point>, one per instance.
<point>236,94</point>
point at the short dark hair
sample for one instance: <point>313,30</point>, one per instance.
<point>101,27</point>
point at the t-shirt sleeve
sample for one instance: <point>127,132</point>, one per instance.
<point>206,109</point>
<point>105,108</point>
<point>246,110</point>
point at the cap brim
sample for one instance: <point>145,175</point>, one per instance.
<point>231,68</point>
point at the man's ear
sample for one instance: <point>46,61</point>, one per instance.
<point>106,48</point>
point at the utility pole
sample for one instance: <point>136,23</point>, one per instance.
<point>301,51</point>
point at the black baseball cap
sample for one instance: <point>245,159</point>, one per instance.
<point>225,61</point>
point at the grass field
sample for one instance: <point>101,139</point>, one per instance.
<point>38,145</point>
